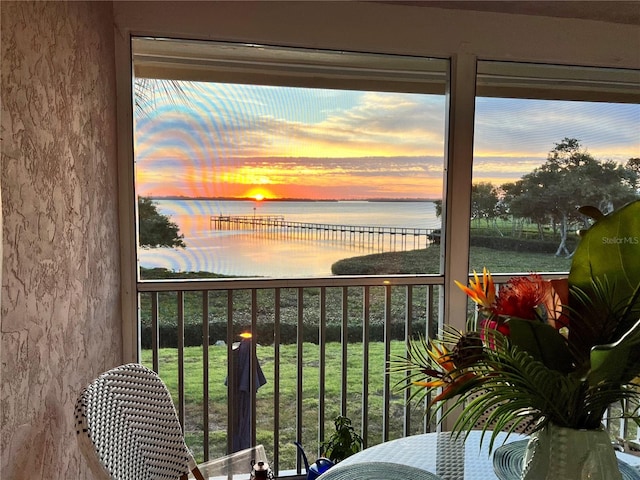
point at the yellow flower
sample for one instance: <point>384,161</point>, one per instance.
<point>483,292</point>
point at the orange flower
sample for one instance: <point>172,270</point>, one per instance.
<point>482,292</point>
<point>447,376</point>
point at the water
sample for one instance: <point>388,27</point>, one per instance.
<point>246,253</point>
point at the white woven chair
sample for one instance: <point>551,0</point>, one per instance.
<point>128,428</point>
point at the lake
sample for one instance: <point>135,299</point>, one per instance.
<point>249,253</point>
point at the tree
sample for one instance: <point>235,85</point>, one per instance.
<point>438,205</point>
<point>633,168</point>
<point>633,164</point>
<point>570,178</point>
<point>156,229</point>
<point>516,203</point>
<point>484,201</point>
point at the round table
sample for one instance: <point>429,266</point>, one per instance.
<point>441,453</point>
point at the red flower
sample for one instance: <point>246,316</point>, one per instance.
<point>521,297</point>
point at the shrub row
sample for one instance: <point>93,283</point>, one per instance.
<point>520,244</point>
<point>168,335</point>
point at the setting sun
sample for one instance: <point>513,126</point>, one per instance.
<point>259,194</point>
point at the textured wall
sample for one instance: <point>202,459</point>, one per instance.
<point>60,274</point>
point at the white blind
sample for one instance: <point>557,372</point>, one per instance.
<point>266,65</point>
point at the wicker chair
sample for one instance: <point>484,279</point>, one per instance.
<point>128,428</point>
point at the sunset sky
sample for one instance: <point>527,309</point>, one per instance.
<point>248,141</point>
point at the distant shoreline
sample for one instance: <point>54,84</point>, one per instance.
<point>249,199</point>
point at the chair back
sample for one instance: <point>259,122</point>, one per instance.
<point>128,428</point>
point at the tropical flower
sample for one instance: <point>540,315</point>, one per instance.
<point>483,292</point>
<point>522,297</point>
<point>543,351</point>
<point>444,374</point>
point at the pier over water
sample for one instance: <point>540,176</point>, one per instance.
<point>373,237</point>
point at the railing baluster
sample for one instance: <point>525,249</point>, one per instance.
<point>386,390</point>
<point>205,373</point>
<point>231,397</point>
<point>155,331</point>
<point>429,333</point>
<point>276,379</point>
<point>407,338</point>
<point>343,355</point>
<point>366,311</point>
<point>180,301</point>
<point>252,363</point>
<point>322,341</point>
<point>347,289</point>
<point>299,384</point>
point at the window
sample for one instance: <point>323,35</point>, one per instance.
<point>548,139</point>
<point>278,162</point>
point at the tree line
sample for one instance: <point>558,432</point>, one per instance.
<point>550,195</point>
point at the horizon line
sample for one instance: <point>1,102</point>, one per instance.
<point>291,199</point>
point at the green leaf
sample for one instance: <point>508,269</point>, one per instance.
<point>607,258</point>
<point>608,361</point>
<point>542,342</point>
<point>611,249</point>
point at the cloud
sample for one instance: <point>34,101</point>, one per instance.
<point>526,127</point>
<point>376,142</point>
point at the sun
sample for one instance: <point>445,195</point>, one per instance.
<point>258,194</point>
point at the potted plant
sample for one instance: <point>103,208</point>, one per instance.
<point>342,443</point>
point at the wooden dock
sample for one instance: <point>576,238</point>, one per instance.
<point>379,238</point>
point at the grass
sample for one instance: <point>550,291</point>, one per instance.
<point>515,262</point>
<point>428,261</point>
<point>287,403</point>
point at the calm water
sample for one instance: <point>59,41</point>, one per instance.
<point>247,253</point>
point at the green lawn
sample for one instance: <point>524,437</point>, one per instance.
<point>427,260</point>
<point>498,261</point>
<point>287,404</point>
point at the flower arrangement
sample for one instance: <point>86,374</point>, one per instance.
<point>542,352</point>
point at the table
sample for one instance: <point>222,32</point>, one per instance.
<point>442,454</point>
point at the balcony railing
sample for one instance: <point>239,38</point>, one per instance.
<point>323,345</point>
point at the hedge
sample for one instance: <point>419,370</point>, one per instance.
<point>520,244</point>
<point>168,335</point>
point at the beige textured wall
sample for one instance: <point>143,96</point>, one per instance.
<point>60,276</point>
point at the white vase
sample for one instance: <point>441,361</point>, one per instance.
<point>559,453</point>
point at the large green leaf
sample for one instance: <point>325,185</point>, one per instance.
<point>611,249</point>
<point>606,260</point>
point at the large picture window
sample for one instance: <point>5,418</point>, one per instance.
<point>292,166</point>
